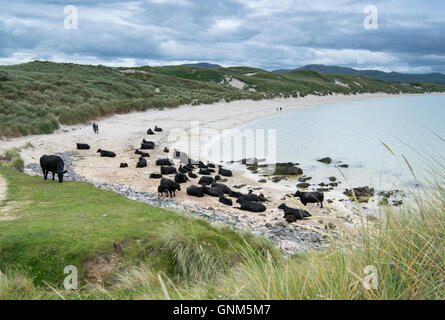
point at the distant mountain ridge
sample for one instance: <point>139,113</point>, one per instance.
<point>376,74</point>
<point>203,65</point>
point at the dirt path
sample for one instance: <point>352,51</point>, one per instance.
<point>3,189</point>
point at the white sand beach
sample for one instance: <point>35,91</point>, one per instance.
<point>123,134</point>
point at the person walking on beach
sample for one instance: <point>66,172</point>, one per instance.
<point>95,128</point>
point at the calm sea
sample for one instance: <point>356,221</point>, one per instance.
<point>353,132</point>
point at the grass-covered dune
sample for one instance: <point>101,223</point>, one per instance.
<point>138,251</point>
<point>37,97</point>
<point>45,226</point>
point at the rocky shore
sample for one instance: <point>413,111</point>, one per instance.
<point>291,238</point>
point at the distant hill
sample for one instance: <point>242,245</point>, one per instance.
<point>203,65</point>
<point>376,74</point>
<point>37,97</point>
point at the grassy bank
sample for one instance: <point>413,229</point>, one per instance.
<point>37,97</point>
<point>138,251</point>
<point>46,226</point>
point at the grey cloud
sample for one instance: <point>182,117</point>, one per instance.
<point>263,33</point>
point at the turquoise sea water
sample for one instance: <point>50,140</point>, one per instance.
<point>353,132</point>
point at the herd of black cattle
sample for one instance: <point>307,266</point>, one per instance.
<point>208,185</point>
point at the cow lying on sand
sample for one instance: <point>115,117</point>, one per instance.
<point>195,191</point>
<point>226,201</point>
<point>168,170</point>
<point>224,172</point>
<point>108,154</point>
<point>251,206</point>
<point>181,178</point>
<point>83,146</point>
<point>142,163</point>
<point>53,164</point>
<point>206,180</point>
<point>164,162</point>
<point>292,215</point>
<point>147,145</point>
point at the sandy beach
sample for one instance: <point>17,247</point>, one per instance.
<point>123,134</point>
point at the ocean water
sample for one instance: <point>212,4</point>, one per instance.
<point>352,133</point>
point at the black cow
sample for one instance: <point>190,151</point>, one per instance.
<point>224,172</point>
<point>150,132</point>
<point>145,155</point>
<point>195,191</point>
<point>168,170</point>
<point>162,189</point>
<point>253,197</point>
<point>142,163</point>
<point>201,165</point>
<point>53,164</point>
<point>206,180</point>
<point>251,206</point>
<point>124,165</point>
<point>222,187</point>
<point>217,178</point>
<point>170,186</point>
<point>310,197</point>
<point>138,152</point>
<point>164,162</point>
<point>147,145</point>
<point>213,192</point>
<point>166,150</point>
<point>181,178</point>
<point>226,201</point>
<point>108,154</point>
<point>291,214</point>
<point>211,165</point>
<point>83,146</point>
<point>205,172</point>
<point>186,168</point>
<point>192,175</point>
<point>157,129</point>
<point>155,176</point>
<point>235,194</point>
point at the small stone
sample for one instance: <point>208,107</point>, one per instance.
<point>330,226</point>
<point>303,185</point>
<point>326,160</point>
<point>281,224</point>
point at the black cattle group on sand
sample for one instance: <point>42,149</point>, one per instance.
<point>211,178</point>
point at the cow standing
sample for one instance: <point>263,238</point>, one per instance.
<point>53,164</point>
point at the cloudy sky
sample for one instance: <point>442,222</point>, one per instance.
<point>269,34</point>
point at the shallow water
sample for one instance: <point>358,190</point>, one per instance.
<point>353,132</point>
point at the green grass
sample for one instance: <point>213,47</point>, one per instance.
<point>38,97</point>
<point>12,159</point>
<point>166,255</point>
<point>74,223</point>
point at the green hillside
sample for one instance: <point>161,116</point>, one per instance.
<point>375,74</point>
<point>37,97</point>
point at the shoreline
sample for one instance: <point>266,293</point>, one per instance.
<point>123,134</point>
